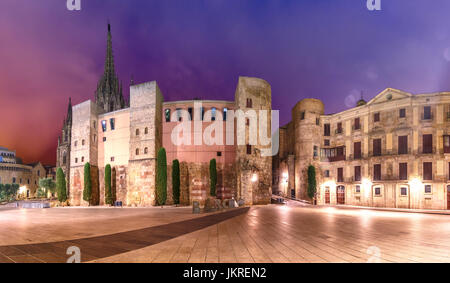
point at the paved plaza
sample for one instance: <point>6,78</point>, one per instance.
<point>273,233</point>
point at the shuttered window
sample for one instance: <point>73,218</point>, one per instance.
<point>403,171</point>
<point>340,173</point>
<point>357,173</point>
<point>403,145</point>
<point>357,150</point>
<point>428,171</point>
<point>376,147</point>
<point>427,142</point>
<point>377,172</point>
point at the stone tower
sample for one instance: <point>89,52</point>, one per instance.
<point>109,95</point>
<point>63,149</point>
<point>307,135</point>
<point>254,171</point>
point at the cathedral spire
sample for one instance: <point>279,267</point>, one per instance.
<point>108,94</point>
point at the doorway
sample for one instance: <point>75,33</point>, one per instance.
<point>327,195</point>
<point>340,190</point>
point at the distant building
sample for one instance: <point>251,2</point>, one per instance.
<point>393,151</point>
<point>128,136</point>
<point>12,171</point>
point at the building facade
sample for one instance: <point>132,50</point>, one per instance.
<point>127,136</point>
<point>393,151</point>
<point>27,176</point>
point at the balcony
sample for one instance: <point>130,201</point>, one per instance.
<point>332,154</point>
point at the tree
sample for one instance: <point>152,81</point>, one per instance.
<point>213,177</point>
<point>87,192</point>
<point>47,184</point>
<point>311,181</point>
<point>8,192</point>
<point>108,191</point>
<point>161,177</point>
<point>176,181</point>
<point>61,186</point>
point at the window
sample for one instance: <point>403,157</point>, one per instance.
<point>302,115</point>
<point>76,160</point>
<point>427,144</point>
<point>249,149</point>
<point>326,130</point>
<point>64,158</point>
<point>403,171</point>
<point>402,113</point>
<point>104,139</point>
<point>104,125</point>
<point>427,112</point>
<point>403,191</point>
<point>213,114</point>
<point>317,121</point>
<point>340,174</point>
<point>167,115</point>
<point>190,113</point>
<point>179,118</point>
<point>376,117</point>
<point>137,132</point>
<point>146,150</point>
<point>326,142</point>
<point>202,113</point>
<point>446,144</point>
<point>428,189</point>
<point>357,124</point>
<point>377,172</point>
<point>377,191</point>
<point>112,123</point>
<point>403,145</point>
<point>357,150</point>
<point>315,151</point>
<point>249,103</point>
<point>327,173</point>
<point>82,142</point>
<point>339,128</point>
<point>75,143</point>
<point>112,158</point>
<point>14,180</point>
<point>357,189</point>
<point>428,171</point>
<point>357,173</point>
<point>225,110</point>
<point>82,159</point>
<point>377,147</point>
<point>146,131</point>
<point>219,153</point>
<point>137,151</point>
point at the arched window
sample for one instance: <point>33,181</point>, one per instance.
<point>137,132</point>
<point>76,143</point>
<point>167,115</point>
<point>82,142</point>
<point>137,151</point>
<point>64,158</point>
<point>146,131</point>
<point>146,150</point>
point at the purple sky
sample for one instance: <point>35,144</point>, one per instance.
<point>331,50</point>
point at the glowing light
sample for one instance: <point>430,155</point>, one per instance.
<point>22,190</point>
<point>415,184</point>
<point>366,186</point>
<point>286,177</point>
<point>254,178</point>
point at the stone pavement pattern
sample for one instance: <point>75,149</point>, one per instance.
<point>272,233</point>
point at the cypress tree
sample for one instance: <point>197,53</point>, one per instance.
<point>176,181</point>
<point>213,177</point>
<point>61,187</point>
<point>108,191</point>
<point>87,192</point>
<point>311,181</point>
<point>161,177</point>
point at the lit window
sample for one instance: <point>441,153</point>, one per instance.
<point>112,123</point>
<point>104,125</point>
<point>167,115</point>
